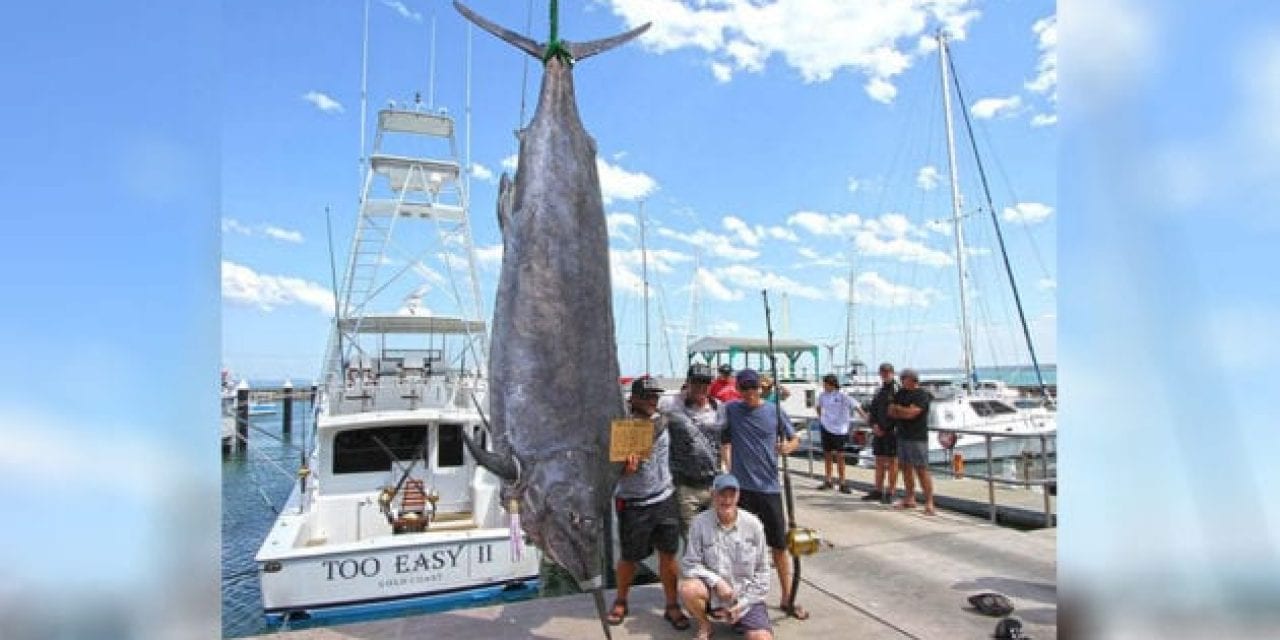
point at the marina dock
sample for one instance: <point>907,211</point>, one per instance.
<point>886,574</point>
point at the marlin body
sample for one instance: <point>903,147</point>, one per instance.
<point>553,367</point>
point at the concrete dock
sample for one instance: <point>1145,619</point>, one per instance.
<point>887,574</point>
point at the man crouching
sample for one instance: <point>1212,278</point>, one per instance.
<point>726,566</point>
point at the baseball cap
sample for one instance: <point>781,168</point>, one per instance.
<point>725,369</point>
<point>886,366</point>
<point>748,377</point>
<point>909,373</point>
<point>700,373</point>
<point>645,384</point>
<point>724,481</point>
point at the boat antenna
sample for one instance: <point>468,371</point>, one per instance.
<point>364,91</point>
<point>333,276</point>
<point>431,81</point>
<point>995,220</point>
<point>644,267</point>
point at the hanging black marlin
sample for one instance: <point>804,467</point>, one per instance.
<point>553,363</point>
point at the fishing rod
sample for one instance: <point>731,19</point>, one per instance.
<point>799,541</point>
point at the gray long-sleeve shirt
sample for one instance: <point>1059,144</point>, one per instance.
<point>737,554</point>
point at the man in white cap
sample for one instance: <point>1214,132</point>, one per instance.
<point>726,566</point>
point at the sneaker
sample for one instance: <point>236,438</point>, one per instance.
<point>844,488</point>
<point>873,495</point>
<point>824,486</point>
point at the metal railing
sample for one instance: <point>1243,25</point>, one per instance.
<point>1046,480</point>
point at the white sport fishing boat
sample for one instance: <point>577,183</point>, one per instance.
<point>389,506</point>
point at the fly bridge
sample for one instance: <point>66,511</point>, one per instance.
<point>412,236</point>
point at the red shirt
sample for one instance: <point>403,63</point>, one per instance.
<point>724,390</point>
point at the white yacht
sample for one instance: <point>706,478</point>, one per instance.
<point>389,505</point>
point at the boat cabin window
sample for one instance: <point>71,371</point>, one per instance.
<point>982,408</point>
<point>450,446</point>
<point>357,450</point>
<point>1000,408</point>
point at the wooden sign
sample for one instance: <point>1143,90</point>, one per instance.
<point>630,436</point>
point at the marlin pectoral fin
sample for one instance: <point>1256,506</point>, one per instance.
<point>502,466</point>
<point>522,43</point>
<point>584,50</point>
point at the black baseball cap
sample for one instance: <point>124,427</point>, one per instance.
<point>700,373</point>
<point>725,369</point>
<point>645,385</point>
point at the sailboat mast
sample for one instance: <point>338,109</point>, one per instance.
<point>966,341</point>
<point>848,324</point>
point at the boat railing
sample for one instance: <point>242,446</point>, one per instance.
<point>1047,480</point>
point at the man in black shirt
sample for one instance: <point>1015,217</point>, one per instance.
<point>910,408</point>
<point>884,440</point>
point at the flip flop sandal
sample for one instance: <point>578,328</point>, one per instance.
<point>795,611</point>
<point>679,621</point>
<point>617,613</point>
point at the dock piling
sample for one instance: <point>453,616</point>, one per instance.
<point>287,410</point>
<point>242,416</point>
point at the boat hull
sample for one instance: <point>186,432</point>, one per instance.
<point>422,566</point>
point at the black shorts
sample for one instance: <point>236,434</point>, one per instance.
<point>642,529</point>
<point>768,508</point>
<point>885,445</point>
<point>832,442</point>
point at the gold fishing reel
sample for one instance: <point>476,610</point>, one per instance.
<point>803,541</point>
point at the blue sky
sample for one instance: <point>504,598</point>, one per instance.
<point>772,141</point>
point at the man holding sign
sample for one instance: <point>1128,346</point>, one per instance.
<point>648,514</point>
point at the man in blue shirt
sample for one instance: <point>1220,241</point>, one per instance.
<point>754,433</point>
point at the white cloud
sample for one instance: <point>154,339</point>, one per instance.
<point>940,227</point>
<point>723,328</point>
<point>988,108</point>
<point>870,288</point>
<point>1046,81</point>
<point>242,285</point>
<point>746,234</point>
<point>231,225</point>
<point>716,245</point>
<point>821,224</point>
<point>285,235</point>
<point>927,178</point>
<point>782,233</point>
<point>489,256</point>
<point>618,183</point>
<point>510,162</point>
<point>722,72</point>
<point>323,102</point>
<point>403,10</point>
<point>617,222</point>
<point>709,285</point>
<point>481,172</point>
<point>431,275</point>
<point>817,38</point>
<point>1044,119</point>
<point>853,184</point>
<point>1047,284</point>
<point>815,259</point>
<point>1027,212</point>
<point>660,260</point>
<point>754,279</point>
<point>868,243</point>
